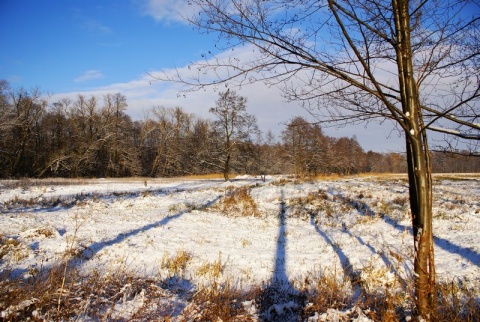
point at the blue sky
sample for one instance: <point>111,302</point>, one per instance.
<point>73,45</point>
<point>92,47</point>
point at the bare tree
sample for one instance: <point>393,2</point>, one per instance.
<point>20,115</point>
<point>231,125</point>
<point>6,122</point>
<point>199,147</point>
<point>170,127</point>
<point>120,156</point>
<point>349,156</point>
<point>412,62</point>
<point>268,158</point>
<point>57,131</point>
<point>306,147</point>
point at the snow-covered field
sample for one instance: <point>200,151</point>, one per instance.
<point>354,228</point>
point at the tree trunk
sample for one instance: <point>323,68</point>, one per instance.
<point>419,166</point>
<point>226,167</point>
<point>420,189</point>
<point>19,154</point>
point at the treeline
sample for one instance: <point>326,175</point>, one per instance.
<point>94,137</point>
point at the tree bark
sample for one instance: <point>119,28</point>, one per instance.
<point>419,167</point>
<point>420,190</point>
<point>226,168</point>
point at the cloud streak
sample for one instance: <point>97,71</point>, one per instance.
<point>95,26</point>
<point>88,75</point>
<point>168,10</point>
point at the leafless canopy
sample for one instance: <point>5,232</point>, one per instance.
<point>339,58</point>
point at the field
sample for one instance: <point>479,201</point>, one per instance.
<point>245,250</point>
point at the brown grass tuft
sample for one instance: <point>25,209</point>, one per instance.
<point>177,263</point>
<point>239,202</point>
<point>218,302</point>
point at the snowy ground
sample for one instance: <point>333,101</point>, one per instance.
<point>357,228</point>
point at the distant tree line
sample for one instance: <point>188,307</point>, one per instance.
<point>94,137</point>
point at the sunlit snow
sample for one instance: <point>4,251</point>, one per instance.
<point>361,230</point>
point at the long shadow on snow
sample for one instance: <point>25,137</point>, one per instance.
<point>53,204</point>
<point>96,247</point>
<point>63,202</point>
<point>279,300</point>
<point>348,271</point>
<point>365,210</point>
<point>90,251</point>
<point>384,258</point>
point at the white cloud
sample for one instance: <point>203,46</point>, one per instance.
<point>168,10</point>
<point>88,75</point>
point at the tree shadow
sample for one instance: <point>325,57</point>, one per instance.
<point>384,258</point>
<point>64,202</point>
<point>354,276</point>
<point>90,251</point>
<point>365,210</point>
<point>279,300</point>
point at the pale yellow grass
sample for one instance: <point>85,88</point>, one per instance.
<point>373,175</point>
<point>208,176</point>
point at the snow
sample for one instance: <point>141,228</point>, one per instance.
<point>359,230</point>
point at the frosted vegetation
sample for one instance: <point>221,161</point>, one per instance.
<point>245,250</point>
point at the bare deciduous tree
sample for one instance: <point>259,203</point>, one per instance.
<point>20,115</point>
<point>412,62</point>
<point>121,158</point>
<point>305,146</point>
<point>232,124</point>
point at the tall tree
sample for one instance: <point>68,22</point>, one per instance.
<point>6,122</point>
<point>199,147</point>
<point>121,157</point>
<point>231,124</point>
<point>20,116</point>
<point>413,62</point>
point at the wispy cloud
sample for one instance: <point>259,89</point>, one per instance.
<point>168,10</point>
<point>88,75</point>
<point>97,27</point>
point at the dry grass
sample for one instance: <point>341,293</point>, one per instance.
<point>239,202</point>
<point>218,302</point>
<point>214,270</point>
<point>7,245</point>
<point>96,296</point>
<point>328,177</point>
<point>313,205</point>
<point>105,296</point>
<point>209,176</point>
<point>456,176</point>
<point>27,183</point>
<point>175,265</point>
<point>325,292</point>
<point>282,181</point>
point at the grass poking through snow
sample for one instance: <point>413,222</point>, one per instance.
<point>120,294</point>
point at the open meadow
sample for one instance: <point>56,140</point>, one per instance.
<point>246,250</point>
